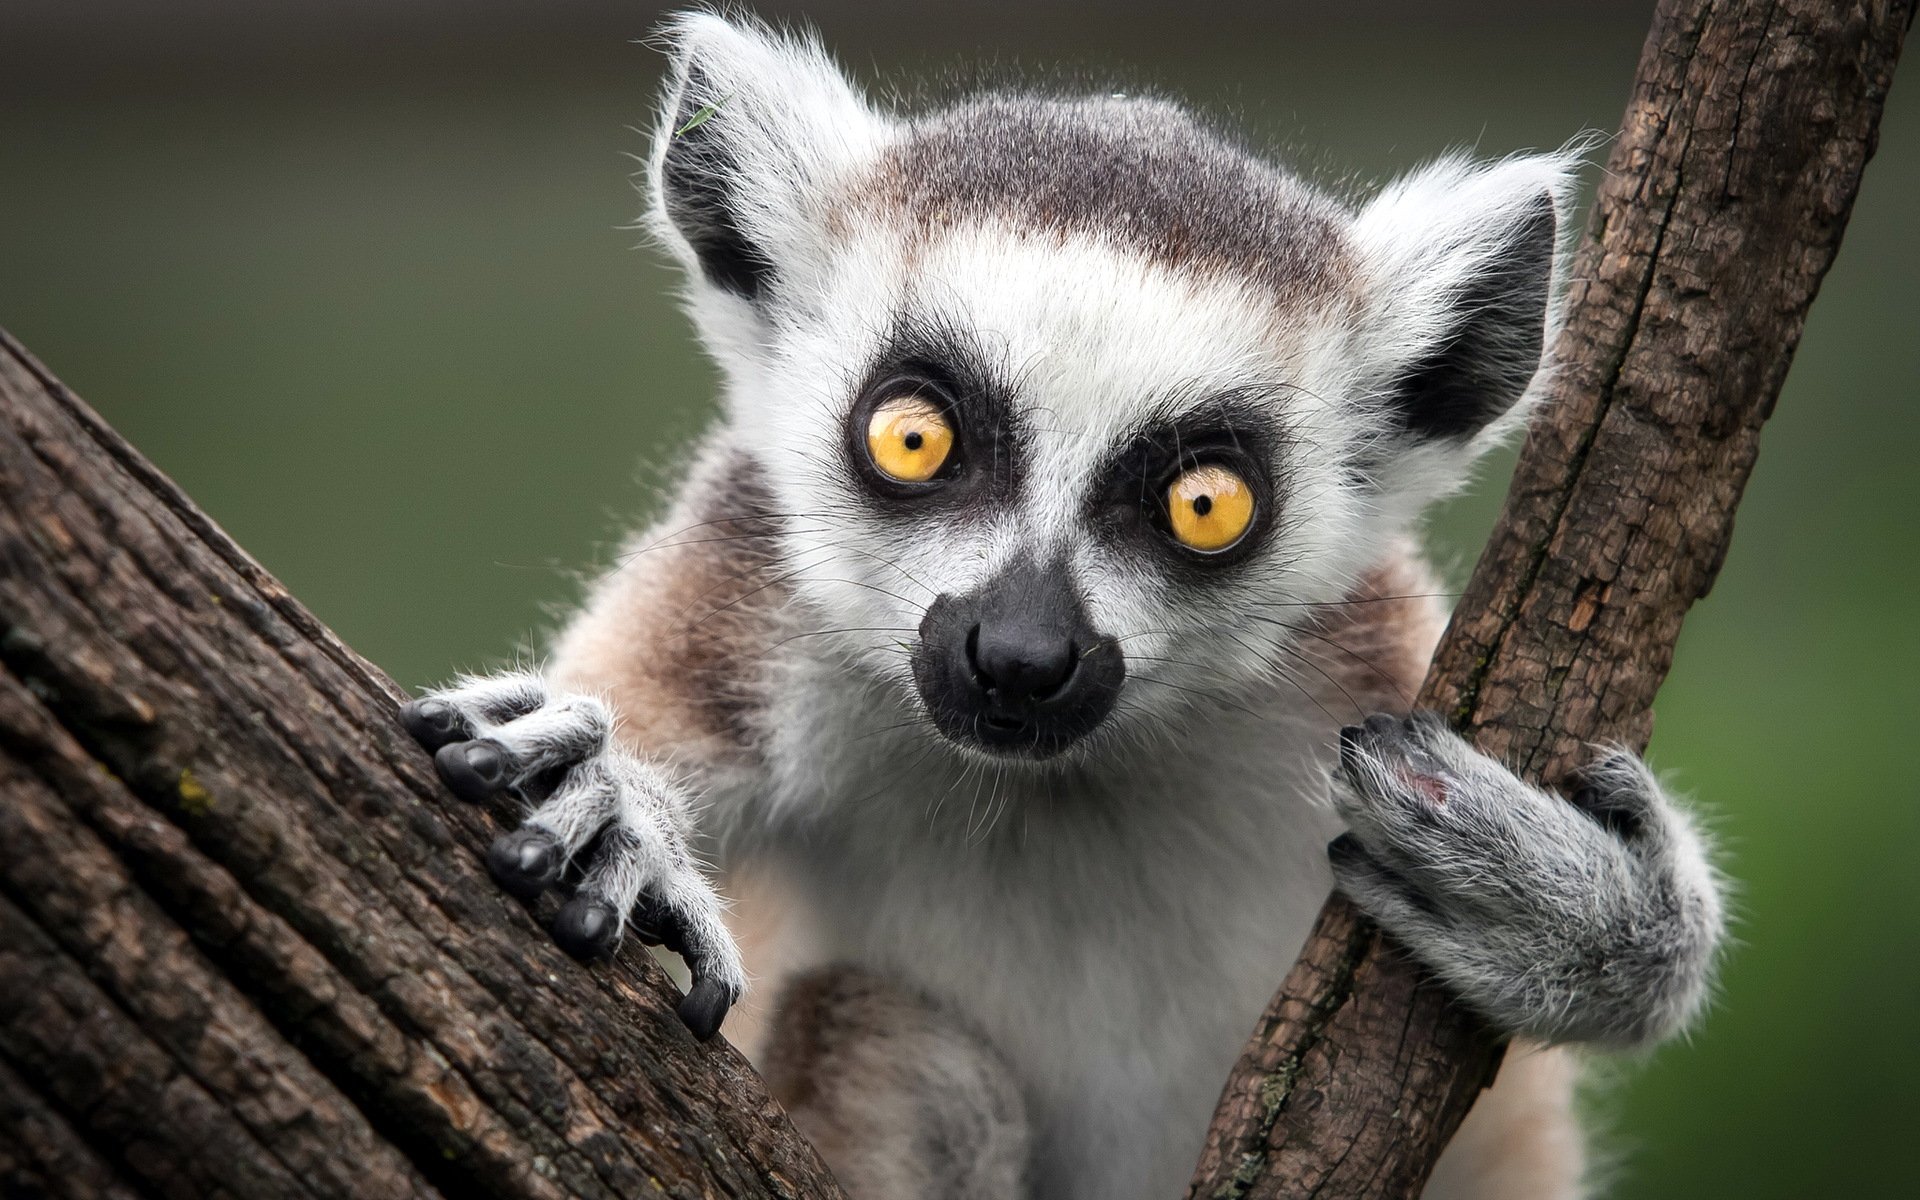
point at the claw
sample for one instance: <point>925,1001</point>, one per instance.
<point>525,862</point>
<point>474,770</point>
<point>704,1006</point>
<point>586,928</point>
<point>434,723</point>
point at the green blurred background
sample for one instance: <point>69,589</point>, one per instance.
<point>355,274</point>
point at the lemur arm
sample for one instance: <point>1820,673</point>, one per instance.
<point>649,701</point>
<point>675,635</point>
<point>1595,918</point>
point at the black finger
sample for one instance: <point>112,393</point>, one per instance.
<point>1613,812</point>
<point>474,770</point>
<point>537,787</point>
<point>1384,727</point>
<point>434,723</point>
<point>704,1006</point>
<point>1355,861</point>
<point>526,862</point>
<point>586,928</point>
<point>657,925</point>
<point>1350,748</point>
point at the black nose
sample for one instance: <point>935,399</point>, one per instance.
<point>1016,663</point>
<point>1017,667</point>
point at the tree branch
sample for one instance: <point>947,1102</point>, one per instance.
<point>248,943</point>
<point>1722,207</point>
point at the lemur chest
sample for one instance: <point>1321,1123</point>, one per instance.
<point>1114,937</point>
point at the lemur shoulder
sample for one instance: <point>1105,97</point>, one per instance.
<point>1020,641</point>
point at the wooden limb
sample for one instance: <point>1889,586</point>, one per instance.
<point>1721,209</point>
<point>248,944</point>
<point>41,1155</point>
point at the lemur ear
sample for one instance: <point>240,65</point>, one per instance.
<point>753,125</point>
<point>1462,266</point>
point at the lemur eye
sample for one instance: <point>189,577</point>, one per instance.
<point>1210,507</point>
<point>909,438</point>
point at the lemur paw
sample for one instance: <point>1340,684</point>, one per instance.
<point>1595,920</point>
<point>624,821</point>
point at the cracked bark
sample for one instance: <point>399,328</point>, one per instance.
<point>1721,209</point>
<point>248,945</point>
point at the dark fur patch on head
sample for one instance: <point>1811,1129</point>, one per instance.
<point>946,363</point>
<point>1143,173</point>
<point>1485,366</point>
<point>698,178</point>
<point>1235,429</point>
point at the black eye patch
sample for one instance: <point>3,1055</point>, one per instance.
<point>1129,505</point>
<point>946,366</point>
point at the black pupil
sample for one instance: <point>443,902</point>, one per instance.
<point>1202,505</point>
<point>913,440</point>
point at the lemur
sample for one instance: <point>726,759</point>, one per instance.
<point>1030,643</point>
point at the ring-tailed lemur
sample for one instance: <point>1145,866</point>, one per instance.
<point>1013,639</point>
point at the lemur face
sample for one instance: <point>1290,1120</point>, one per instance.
<point>1072,412</point>
<point>1081,476</point>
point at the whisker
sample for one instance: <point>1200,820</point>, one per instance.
<point>1206,694</point>
<point>1293,680</point>
<point>898,775</point>
<point>1379,672</point>
<point>1354,600</point>
<point>887,562</point>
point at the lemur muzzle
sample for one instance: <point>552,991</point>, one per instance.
<point>1016,666</point>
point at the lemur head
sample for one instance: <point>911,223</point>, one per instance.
<point>1070,409</point>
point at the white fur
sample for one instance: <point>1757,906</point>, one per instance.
<point>1421,241</point>
<point>801,128</point>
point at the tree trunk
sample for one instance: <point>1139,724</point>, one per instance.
<point>1721,209</point>
<point>248,945</point>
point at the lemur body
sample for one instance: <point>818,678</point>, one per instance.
<point>1019,627</point>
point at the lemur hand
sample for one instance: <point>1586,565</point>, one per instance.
<point>631,826</point>
<point>1595,920</point>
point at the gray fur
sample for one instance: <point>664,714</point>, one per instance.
<point>641,818</point>
<point>1593,921</point>
<point>1143,173</point>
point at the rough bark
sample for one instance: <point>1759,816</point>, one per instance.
<point>1720,211</point>
<point>247,944</point>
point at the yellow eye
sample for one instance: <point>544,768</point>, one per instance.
<point>909,438</point>
<point>1210,507</point>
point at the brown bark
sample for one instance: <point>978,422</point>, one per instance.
<point>1721,209</point>
<point>247,944</point>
